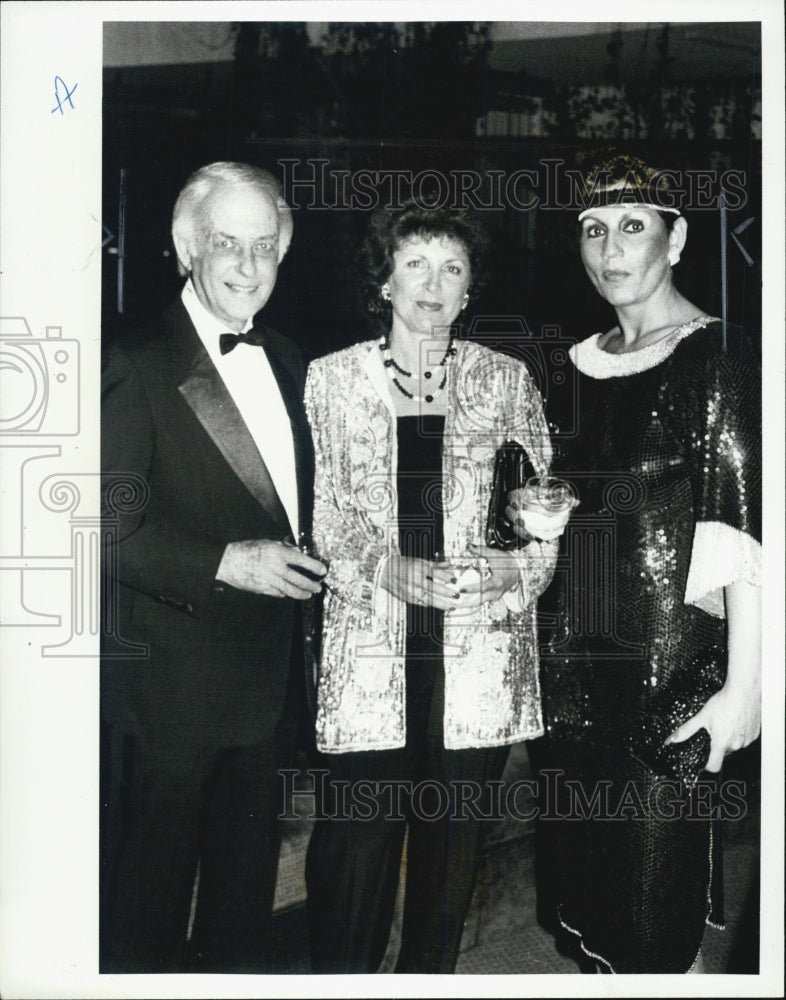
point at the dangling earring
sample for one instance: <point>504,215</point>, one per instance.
<point>385,292</point>
<point>465,301</point>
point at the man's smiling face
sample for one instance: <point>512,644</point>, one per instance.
<point>234,255</point>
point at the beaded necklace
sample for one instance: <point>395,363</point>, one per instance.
<point>391,364</point>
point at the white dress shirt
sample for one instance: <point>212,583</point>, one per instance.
<point>250,381</point>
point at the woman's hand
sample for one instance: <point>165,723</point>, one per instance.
<point>418,581</point>
<point>492,573</point>
<point>529,523</point>
<point>733,715</point>
<point>733,719</point>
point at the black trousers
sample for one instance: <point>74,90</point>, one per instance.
<point>166,814</point>
<point>353,861</point>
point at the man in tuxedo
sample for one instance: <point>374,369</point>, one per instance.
<point>207,468</point>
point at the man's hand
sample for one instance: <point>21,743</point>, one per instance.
<point>268,567</point>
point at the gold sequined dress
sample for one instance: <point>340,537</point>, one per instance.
<point>666,459</point>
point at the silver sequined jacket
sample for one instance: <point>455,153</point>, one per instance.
<point>492,695</point>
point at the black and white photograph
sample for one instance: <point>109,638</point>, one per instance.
<point>392,473</point>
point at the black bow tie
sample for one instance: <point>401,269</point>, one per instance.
<point>228,341</point>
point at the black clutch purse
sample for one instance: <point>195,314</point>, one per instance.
<point>512,468</point>
<point>685,692</point>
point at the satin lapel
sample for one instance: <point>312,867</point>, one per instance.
<point>206,394</point>
<point>301,436</point>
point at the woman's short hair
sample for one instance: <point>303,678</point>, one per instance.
<point>204,181</point>
<point>389,229</point>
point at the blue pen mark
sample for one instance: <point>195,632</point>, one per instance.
<point>61,97</point>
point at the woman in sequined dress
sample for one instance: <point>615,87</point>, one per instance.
<point>429,663</point>
<point>663,575</point>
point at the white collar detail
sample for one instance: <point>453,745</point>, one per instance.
<point>591,360</point>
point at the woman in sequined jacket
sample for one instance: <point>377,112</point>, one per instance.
<point>658,647</point>
<point>429,661</point>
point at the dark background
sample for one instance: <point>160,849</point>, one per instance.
<point>415,97</point>
<point>443,97</point>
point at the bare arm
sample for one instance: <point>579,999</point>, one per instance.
<point>733,715</point>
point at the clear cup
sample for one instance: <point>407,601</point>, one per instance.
<point>549,495</point>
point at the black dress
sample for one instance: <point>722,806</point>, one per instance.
<point>667,439</point>
<point>353,867</point>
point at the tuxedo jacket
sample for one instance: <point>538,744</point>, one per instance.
<point>187,661</point>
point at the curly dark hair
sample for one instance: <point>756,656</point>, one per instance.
<point>389,229</point>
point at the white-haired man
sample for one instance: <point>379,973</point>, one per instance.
<point>205,410</point>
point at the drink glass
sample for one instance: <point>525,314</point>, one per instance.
<point>549,495</point>
<point>305,544</point>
